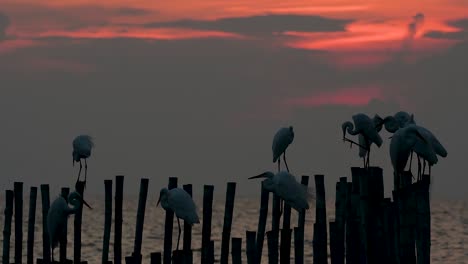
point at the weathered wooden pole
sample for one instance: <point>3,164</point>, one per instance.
<point>340,214</point>
<point>354,249</point>
<point>388,237</point>
<point>406,227</point>
<point>107,220</point>
<point>168,226</point>
<point>262,219</point>
<point>63,242</point>
<point>250,247</point>
<point>187,246</point>
<point>77,225</point>
<point>236,250</point>
<point>375,214</point>
<point>320,227</point>
<point>211,252</point>
<point>364,211</point>
<point>228,212</point>
<point>31,224</point>
<point>118,219</point>
<point>301,218</point>
<point>18,190</point>
<point>285,244</point>
<point>140,220</point>
<point>272,237</point>
<point>9,195</point>
<point>155,258</point>
<point>423,227</point>
<point>275,218</point>
<point>299,245</point>
<point>334,240</point>
<point>206,228</point>
<point>178,257</point>
<point>45,234</point>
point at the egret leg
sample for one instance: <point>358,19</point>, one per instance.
<point>180,230</point>
<point>368,155</point>
<point>79,172</point>
<point>284,158</point>
<point>364,161</point>
<point>411,159</point>
<point>86,171</point>
<point>424,169</point>
<point>419,165</point>
<point>281,207</point>
<point>279,164</point>
<point>430,170</point>
<point>52,255</point>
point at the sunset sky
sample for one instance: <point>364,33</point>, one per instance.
<point>197,89</point>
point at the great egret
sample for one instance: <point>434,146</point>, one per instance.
<point>403,141</point>
<point>283,137</point>
<point>366,127</point>
<point>58,215</point>
<point>403,119</point>
<point>82,146</point>
<point>181,203</point>
<point>286,187</point>
<point>364,143</point>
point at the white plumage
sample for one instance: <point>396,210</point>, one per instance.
<point>368,129</point>
<point>181,203</point>
<point>282,139</point>
<point>58,216</point>
<point>82,146</point>
<point>286,187</point>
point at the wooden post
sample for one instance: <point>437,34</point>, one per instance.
<point>236,250</point>
<point>320,227</point>
<point>45,233</point>
<point>140,220</point>
<point>155,258</point>
<point>407,242</point>
<point>340,214</point>
<point>375,214</point>
<point>107,220</point>
<point>334,240</point>
<point>77,225</point>
<point>350,225</point>
<point>9,194</point>
<point>178,257</point>
<point>250,247</point>
<point>364,211</point>
<point>299,245</point>
<point>285,246</point>
<point>262,219</point>
<point>354,250</point>
<point>275,220</point>
<point>228,212</point>
<point>63,242</point>
<point>211,252</point>
<point>18,190</point>
<point>31,224</point>
<point>206,228</point>
<point>387,241</point>
<point>272,237</point>
<point>118,219</point>
<point>187,246</point>
<point>301,218</point>
<point>168,226</point>
<point>423,227</point>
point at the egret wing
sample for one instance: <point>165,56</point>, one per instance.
<point>183,206</point>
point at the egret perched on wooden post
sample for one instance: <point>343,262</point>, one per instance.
<point>403,141</point>
<point>282,139</point>
<point>403,119</point>
<point>181,203</point>
<point>58,216</point>
<point>82,146</point>
<point>286,187</point>
<point>366,127</point>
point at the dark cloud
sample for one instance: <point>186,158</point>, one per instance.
<point>4,23</point>
<point>462,24</point>
<point>264,24</point>
<point>413,27</point>
<point>129,11</point>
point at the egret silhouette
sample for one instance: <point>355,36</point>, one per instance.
<point>282,139</point>
<point>58,216</point>
<point>403,141</point>
<point>181,203</point>
<point>365,126</point>
<point>82,146</point>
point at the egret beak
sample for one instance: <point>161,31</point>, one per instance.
<point>85,203</point>
<point>157,204</point>
<point>263,175</point>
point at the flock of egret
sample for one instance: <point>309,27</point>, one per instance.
<point>407,138</point>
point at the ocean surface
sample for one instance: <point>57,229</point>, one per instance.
<point>449,229</point>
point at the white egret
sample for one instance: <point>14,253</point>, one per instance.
<point>283,137</point>
<point>365,126</point>
<point>403,141</point>
<point>181,203</point>
<point>364,143</point>
<point>82,146</point>
<point>403,119</point>
<point>286,187</point>
<point>58,216</point>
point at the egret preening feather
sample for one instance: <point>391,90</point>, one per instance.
<point>282,139</point>
<point>82,146</point>
<point>287,188</point>
<point>368,128</point>
<point>181,203</point>
<point>58,216</point>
